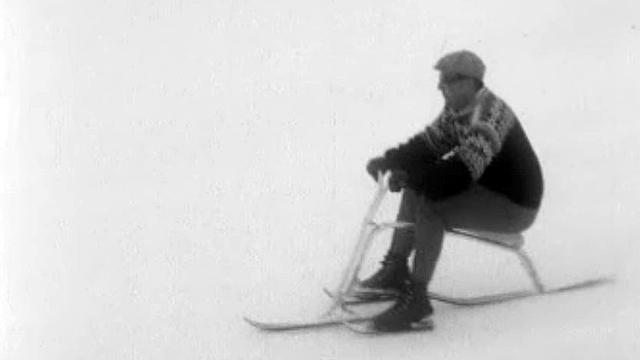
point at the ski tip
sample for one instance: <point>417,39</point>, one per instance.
<point>604,280</point>
<point>328,292</point>
<point>587,283</point>
<point>250,321</point>
<point>258,324</point>
<point>596,282</point>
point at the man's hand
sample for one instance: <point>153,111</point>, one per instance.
<point>398,180</point>
<point>376,165</point>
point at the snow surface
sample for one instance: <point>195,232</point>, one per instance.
<point>170,166</point>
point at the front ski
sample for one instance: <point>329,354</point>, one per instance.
<point>367,327</point>
<point>311,324</point>
<point>368,297</point>
<point>364,297</point>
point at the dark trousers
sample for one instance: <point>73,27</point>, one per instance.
<point>475,209</point>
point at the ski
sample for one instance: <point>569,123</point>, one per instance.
<point>366,327</point>
<point>311,324</point>
<point>363,297</point>
<point>362,323</point>
<point>515,295</point>
<point>367,297</point>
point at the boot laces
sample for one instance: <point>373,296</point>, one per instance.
<point>404,299</point>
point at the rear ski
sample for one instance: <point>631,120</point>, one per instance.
<point>367,297</point>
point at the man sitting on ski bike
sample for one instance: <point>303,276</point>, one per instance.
<point>472,168</point>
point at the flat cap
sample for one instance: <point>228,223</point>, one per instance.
<point>462,62</point>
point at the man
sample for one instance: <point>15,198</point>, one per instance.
<point>472,168</point>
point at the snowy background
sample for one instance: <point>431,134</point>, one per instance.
<point>167,167</point>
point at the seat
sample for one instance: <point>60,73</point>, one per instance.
<point>513,241</point>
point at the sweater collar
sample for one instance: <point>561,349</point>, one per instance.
<point>451,113</point>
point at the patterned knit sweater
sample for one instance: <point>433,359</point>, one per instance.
<point>483,144</point>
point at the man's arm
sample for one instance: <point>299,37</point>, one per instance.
<point>424,147</point>
<point>466,163</point>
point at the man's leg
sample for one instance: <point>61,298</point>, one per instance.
<point>412,304</point>
<point>476,209</point>
<point>394,271</point>
<point>403,239</point>
<point>429,234</point>
<point>481,209</point>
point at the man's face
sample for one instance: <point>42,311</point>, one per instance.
<point>458,90</point>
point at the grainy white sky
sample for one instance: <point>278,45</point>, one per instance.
<point>168,166</point>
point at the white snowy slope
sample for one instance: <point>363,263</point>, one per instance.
<point>168,167</point>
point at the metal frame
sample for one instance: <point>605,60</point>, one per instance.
<point>509,242</point>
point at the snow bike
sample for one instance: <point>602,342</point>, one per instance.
<point>347,294</point>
